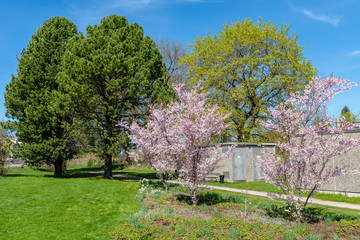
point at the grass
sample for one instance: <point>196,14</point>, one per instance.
<point>255,186</point>
<point>138,171</point>
<point>149,173</point>
<point>267,187</point>
<point>141,171</point>
<point>34,205</point>
<point>255,200</point>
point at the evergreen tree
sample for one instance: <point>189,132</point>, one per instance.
<point>111,75</point>
<point>39,117</point>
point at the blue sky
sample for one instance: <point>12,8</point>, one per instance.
<point>329,30</point>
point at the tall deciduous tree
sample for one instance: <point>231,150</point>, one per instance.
<point>110,76</point>
<point>308,145</point>
<point>40,119</point>
<point>173,51</point>
<point>248,68</point>
<point>179,137</point>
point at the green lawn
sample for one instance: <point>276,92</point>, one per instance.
<point>145,172</point>
<point>255,186</point>
<point>34,205</point>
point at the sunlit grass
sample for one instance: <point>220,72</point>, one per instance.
<point>35,205</point>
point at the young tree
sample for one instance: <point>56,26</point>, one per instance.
<point>179,137</point>
<point>349,116</point>
<point>111,75</point>
<point>4,146</point>
<point>247,69</point>
<point>307,145</point>
<point>40,119</point>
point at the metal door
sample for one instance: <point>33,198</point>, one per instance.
<point>239,164</point>
<point>257,169</point>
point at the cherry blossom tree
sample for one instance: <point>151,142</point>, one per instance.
<point>179,138</point>
<point>307,144</point>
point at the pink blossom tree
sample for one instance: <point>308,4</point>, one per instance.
<point>308,143</point>
<point>180,138</point>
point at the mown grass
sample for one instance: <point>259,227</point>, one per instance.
<point>262,186</point>
<point>35,205</point>
<point>138,171</point>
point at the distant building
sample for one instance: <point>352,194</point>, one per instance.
<point>243,164</point>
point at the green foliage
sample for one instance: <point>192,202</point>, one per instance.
<point>313,237</point>
<point>111,75</point>
<point>349,116</point>
<point>5,145</point>
<point>289,235</point>
<point>309,215</point>
<point>248,68</point>
<point>35,205</point>
<point>41,121</point>
<point>216,228</point>
<point>210,198</point>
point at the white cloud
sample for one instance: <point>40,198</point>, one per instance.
<point>334,21</point>
<point>354,53</point>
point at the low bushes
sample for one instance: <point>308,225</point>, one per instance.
<point>169,214</point>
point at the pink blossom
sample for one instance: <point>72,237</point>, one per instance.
<point>307,143</point>
<point>178,138</point>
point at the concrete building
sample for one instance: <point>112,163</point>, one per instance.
<point>347,184</point>
<point>244,164</point>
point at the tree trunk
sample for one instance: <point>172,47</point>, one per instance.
<point>193,196</point>
<point>163,180</point>
<point>2,167</point>
<point>108,167</point>
<point>127,158</point>
<point>58,165</point>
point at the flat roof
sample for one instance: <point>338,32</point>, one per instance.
<point>248,144</point>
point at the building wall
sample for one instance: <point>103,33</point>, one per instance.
<point>225,167</point>
<point>342,184</point>
<point>252,153</point>
<point>351,160</point>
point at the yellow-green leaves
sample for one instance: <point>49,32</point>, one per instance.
<point>247,68</point>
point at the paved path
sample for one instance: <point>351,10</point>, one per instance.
<point>8,165</point>
<point>264,194</point>
<point>256,193</point>
<point>312,200</point>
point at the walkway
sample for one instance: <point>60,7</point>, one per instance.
<point>264,194</point>
<point>256,193</point>
<point>312,200</point>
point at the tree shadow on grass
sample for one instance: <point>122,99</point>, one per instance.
<point>92,173</point>
<point>138,174</point>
